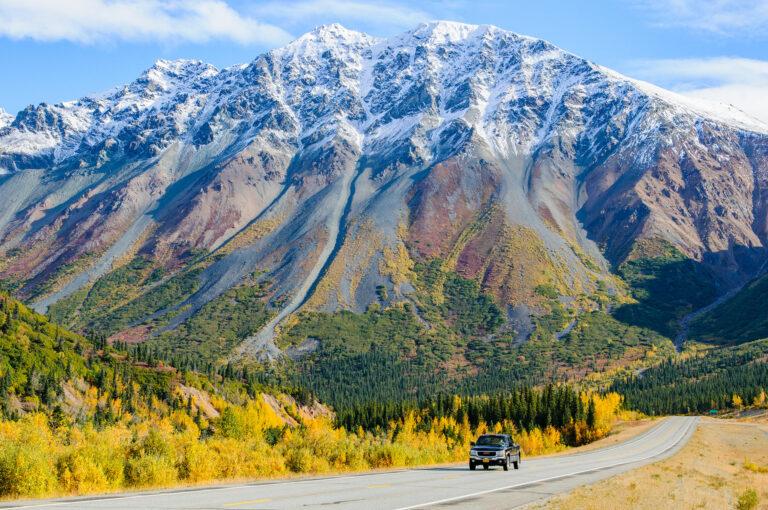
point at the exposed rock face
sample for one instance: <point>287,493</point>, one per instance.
<point>509,158</point>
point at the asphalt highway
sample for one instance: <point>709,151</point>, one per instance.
<point>454,486</point>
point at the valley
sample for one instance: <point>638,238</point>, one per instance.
<point>334,187</point>
<point>356,252</point>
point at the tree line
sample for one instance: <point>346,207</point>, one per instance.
<point>699,384</point>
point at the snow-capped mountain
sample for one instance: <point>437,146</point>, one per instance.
<point>335,162</point>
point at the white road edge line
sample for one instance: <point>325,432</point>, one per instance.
<point>530,482</point>
<point>192,490</point>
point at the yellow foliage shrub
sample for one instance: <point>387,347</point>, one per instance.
<point>246,441</point>
<point>149,471</point>
<point>26,461</point>
<point>25,470</point>
<point>81,474</point>
<point>198,464</point>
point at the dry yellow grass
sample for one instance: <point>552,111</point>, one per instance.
<point>709,472</point>
<point>756,416</point>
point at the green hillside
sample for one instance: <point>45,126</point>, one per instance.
<point>46,368</point>
<point>742,318</point>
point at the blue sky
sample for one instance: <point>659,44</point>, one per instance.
<point>54,50</point>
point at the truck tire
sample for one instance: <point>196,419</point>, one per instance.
<point>486,466</point>
<point>472,466</point>
<point>517,462</point>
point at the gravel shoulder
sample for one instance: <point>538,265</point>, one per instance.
<point>719,464</point>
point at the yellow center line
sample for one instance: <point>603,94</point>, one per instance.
<point>452,476</point>
<point>248,502</point>
<point>377,486</point>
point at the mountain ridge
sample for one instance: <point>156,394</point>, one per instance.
<point>164,75</point>
<point>350,157</point>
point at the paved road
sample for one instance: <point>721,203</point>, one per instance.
<point>452,487</point>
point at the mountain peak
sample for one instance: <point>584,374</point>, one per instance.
<point>167,74</point>
<point>334,30</point>
<point>451,29</point>
<point>333,33</point>
<point>178,68</point>
<point>322,38</point>
<point>443,31</point>
<point>336,138</point>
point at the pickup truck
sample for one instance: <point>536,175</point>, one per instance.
<point>494,450</point>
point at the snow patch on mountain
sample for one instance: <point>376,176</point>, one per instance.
<point>438,72</point>
<point>710,110</point>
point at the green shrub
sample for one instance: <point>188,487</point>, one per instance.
<point>748,500</point>
<point>231,423</point>
<point>547,290</point>
<point>155,444</point>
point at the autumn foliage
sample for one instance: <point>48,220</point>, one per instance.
<point>81,416</point>
<point>246,441</point>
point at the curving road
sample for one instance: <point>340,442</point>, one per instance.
<point>452,487</point>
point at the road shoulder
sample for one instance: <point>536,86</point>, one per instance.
<point>718,465</point>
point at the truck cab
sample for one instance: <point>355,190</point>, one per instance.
<point>494,450</point>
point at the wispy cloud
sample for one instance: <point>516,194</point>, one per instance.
<point>375,13</point>
<point>741,82</point>
<point>92,21</point>
<point>697,72</point>
<point>725,17</point>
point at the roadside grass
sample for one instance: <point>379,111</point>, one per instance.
<point>719,468</point>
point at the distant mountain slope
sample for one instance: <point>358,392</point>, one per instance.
<point>321,174</point>
<point>742,318</point>
<point>72,379</point>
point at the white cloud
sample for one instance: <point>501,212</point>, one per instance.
<point>725,17</point>
<point>375,13</point>
<point>751,100</point>
<point>741,82</point>
<point>92,21</point>
<point>705,70</point>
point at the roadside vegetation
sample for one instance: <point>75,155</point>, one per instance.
<point>174,445</point>
<point>411,382</point>
<point>80,416</point>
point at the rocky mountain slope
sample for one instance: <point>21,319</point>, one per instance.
<point>320,175</point>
